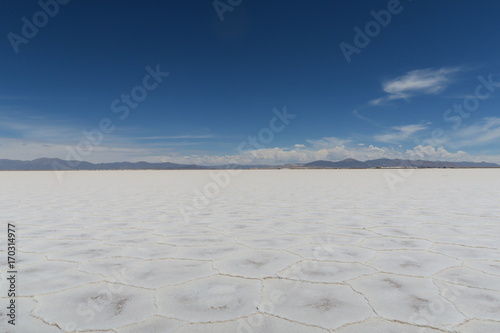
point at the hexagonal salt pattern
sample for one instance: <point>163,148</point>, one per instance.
<point>96,306</point>
<point>409,262</point>
<point>282,251</point>
<point>472,302</point>
<point>154,324</point>
<point>475,326</point>
<point>213,298</point>
<point>158,273</point>
<point>326,305</point>
<point>257,323</point>
<point>255,263</point>
<point>28,323</point>
<point>325,271</point>
<point>408,299</point>
<point>51,276</point>
<point>384,326</point>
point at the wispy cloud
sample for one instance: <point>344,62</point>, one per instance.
<point>175,137</point>
<point>26,149</point>
<point>328,142</point>
<point>421,81</point>
<point>359,116</point>
<point>400,133</point>
<point>486,131</point>
<point>37,129</point>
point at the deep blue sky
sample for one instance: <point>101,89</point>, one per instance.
<point>226,77</point>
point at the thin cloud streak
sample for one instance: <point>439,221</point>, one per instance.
<point>359,116</point>
<point>427,81</point>
<point>484,132</point>
<point>400,133</point>
<point>174,137</point>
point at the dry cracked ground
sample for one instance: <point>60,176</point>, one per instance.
<point>267,251</point>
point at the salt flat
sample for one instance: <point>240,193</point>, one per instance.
<point>266,251</point>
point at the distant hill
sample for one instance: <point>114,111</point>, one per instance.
<point>397,163</point>
<point>387,162</point>
<point>241,166</point>
<point>349,163</point>
<point>58,164</point>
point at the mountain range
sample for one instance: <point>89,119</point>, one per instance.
<point>349,163</point>
<point>397,163</point>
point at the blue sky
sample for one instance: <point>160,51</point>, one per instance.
<point>250,81</point>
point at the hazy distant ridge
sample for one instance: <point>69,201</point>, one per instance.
<point>386,163</point>
<point>58,164</point>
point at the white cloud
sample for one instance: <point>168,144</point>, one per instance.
<point>277,155</point>
<point>420,81</point>
<point>377,101</point>
<point>400,133</point>
<point>27,150</point>
<point>55,141</point>
<point>437,154</point>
